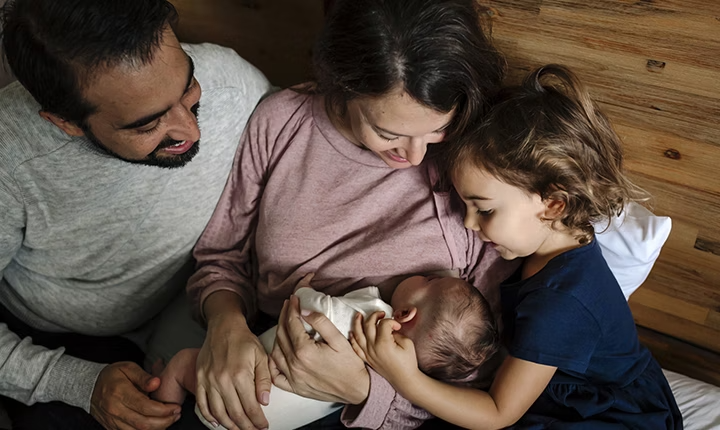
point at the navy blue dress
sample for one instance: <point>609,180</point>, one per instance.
<point>572,315</point>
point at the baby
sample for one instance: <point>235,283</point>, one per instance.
<point>448,320</point>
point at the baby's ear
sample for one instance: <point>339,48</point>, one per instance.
<point>404,315</point>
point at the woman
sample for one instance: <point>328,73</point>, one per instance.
<point>329,180</point>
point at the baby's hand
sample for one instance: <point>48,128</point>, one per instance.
<point>391,354</point>
<point>304,282</point>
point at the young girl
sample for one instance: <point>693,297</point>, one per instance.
<point>535,176</point>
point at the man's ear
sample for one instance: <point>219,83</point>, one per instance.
<point>68,127</point>
<point>554,208</point>
<point>404,315</point>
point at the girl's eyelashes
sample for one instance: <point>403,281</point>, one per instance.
<point>484,212</point>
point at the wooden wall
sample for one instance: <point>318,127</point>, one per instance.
<point>274,35</point>
<point>655,67</point>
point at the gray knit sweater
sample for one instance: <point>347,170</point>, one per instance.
<point>94,245</point>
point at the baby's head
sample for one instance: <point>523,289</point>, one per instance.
<point>449,322</point>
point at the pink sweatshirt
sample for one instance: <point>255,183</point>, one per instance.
<point>301,198</point>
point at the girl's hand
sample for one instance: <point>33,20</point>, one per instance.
<point>391,354</point>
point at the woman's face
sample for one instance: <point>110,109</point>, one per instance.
<point>395,127</point>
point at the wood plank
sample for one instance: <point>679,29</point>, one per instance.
<point>696,334</point>
<point>275,36</point>
<point>713,320</point>
<point>682,357</point>
<point>670,305</point>
<point>696,207</point>
<point>646,152</point>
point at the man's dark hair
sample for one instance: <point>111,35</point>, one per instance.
<point>54,46</point>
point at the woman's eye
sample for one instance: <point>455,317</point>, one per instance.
<point>484,213</point>
<point>389,139</point>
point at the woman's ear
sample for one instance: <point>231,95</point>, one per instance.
<point>68,127</point>
<point>404,315</point>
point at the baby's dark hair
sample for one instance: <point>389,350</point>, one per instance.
<point>464,336</point>
<point>547,137</point>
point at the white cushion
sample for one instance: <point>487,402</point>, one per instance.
<point>698,401</point>
<point>632,243</point>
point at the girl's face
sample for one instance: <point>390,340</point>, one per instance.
<point>395,127</point>
<point>503,215</point>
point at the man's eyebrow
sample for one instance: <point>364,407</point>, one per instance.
<point>404,135</point>
<point>150,118</point>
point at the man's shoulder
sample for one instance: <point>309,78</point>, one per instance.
<point>23,133</point>
<point>218,67</point>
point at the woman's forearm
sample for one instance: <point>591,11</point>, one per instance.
<point>224,303</point>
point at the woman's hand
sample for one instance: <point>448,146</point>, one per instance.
<point>390,354</point>
<point>328,371</point>
<point>233,376</point>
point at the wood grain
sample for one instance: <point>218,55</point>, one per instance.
<point>654,67</point>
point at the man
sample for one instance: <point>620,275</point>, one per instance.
<point>105,185</point>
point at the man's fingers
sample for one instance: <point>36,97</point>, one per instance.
<point>143,405</point>
<point>143,380</point>
<point>133,420</point>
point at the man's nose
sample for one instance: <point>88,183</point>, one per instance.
<point>184,125</point>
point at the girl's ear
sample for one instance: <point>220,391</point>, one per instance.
<point>554,208</point>
<point>404,315</point>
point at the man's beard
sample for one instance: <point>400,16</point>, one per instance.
<point>153,159</point>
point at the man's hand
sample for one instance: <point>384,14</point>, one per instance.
<point>328,371</point>
<point>120,400</point>
<point>390,354</point>
<point>232,375</point>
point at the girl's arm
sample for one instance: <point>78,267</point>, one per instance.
<point>517,385</point>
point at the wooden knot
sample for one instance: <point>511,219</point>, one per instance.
<point>655,66</point>
<point>673,154</point>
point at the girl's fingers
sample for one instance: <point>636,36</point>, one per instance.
<point>359,351</point>
<point>370,326</point>
<point>359,332</point>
